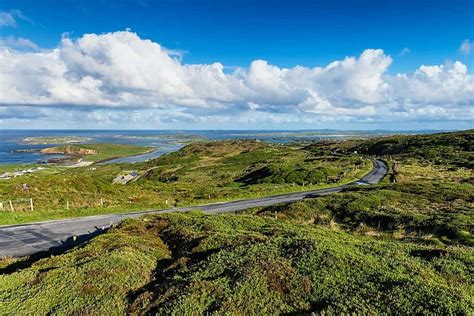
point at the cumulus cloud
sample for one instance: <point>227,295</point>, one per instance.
<point>443,85</point>
<point>18,43</point>
<point>121,71</point>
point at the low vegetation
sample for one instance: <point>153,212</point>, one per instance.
<point>404,246</point>
<point>454,149</point>
<point>186,264</point>
<point>428,195</point>
<point>199,173</point>
<point>436,214</point>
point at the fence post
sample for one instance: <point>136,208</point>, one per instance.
<point>67,204</point>
<point>1,206</point>
<point>31,205</point>
<point>102,202</point>
<point>11,206</point>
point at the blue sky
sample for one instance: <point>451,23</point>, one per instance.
<point>286,33</point>
<point>235,34</point>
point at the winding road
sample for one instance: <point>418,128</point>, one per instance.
<point>28,239</point>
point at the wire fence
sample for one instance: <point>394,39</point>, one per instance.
<point>32,204</point>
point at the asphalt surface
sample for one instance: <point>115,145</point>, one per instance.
<point>34,238</point>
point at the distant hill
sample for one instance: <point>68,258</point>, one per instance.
<point>252,162</point>
<point>455,148</point>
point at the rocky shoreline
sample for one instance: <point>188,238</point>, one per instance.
<point>68,150</point>
<point>72,155</point>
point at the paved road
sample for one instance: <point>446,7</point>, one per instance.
<point>28,239</point>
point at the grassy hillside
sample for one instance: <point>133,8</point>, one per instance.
<point>195,264</point>
<point>428,213</point>
<point>427,197</point>
<point>454,148</point>
<point>404,246</point>
<point>198,173</point>
<point>238,163</point>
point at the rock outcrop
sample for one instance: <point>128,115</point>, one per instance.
<point>69,150</point>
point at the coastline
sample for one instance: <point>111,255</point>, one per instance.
<point>126,156</point>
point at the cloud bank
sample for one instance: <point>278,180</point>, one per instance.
<point>102,75</point>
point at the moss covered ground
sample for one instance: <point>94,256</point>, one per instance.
<point>191,264</point>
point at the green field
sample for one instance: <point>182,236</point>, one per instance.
<point>104,151</point>
<point>191,264</point>
<point>404,246</point>
<point>427,198</point>
<point>199,173</point>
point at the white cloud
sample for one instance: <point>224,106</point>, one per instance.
<point>444,85</point>
<point>18,43</point>
<point>120,71</point>
<point>10,18</point>
<point>7,19</point>
<point>466,47</point>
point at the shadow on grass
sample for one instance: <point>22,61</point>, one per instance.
<point>165,272</point>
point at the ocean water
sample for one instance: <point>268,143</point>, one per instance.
<point>12,141</point>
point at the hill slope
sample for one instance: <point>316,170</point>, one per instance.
<point>198,264</point>
<point>404,246</point>
<point>456,148</point>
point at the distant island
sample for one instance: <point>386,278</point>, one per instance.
<point>49,140</point>
<point>80,155</point>
<point>97,152</point>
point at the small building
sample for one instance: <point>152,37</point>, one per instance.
<point>125,178</point>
